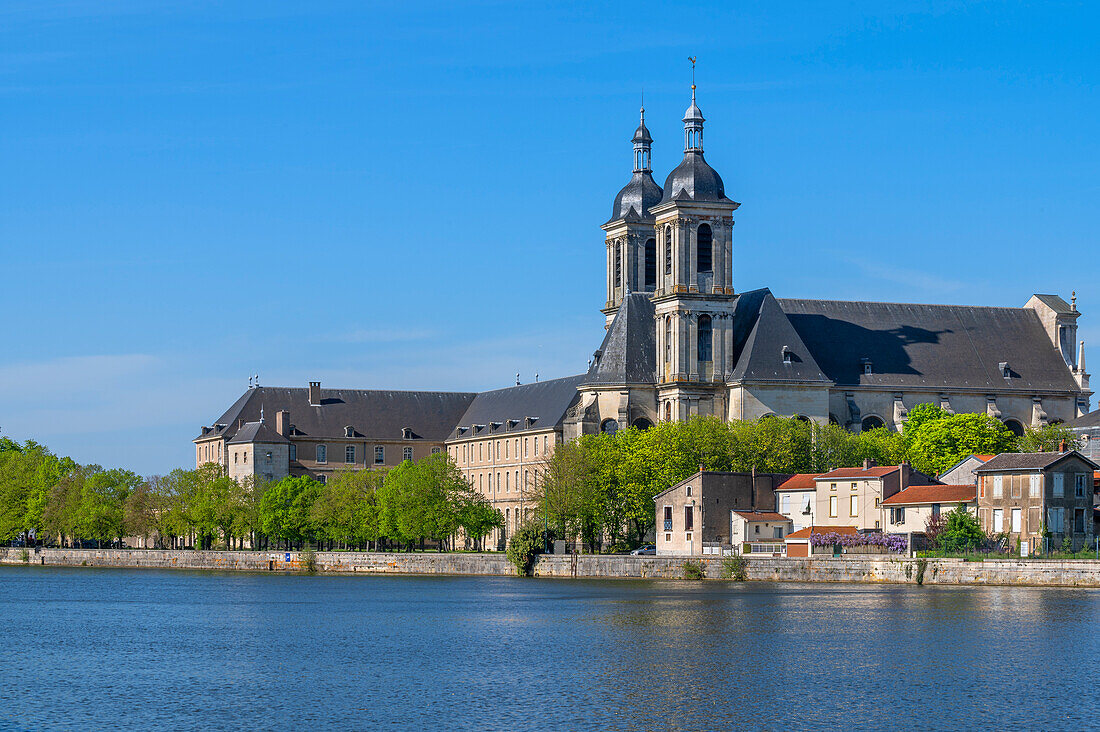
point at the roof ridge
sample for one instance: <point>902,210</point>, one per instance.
<point>916,304</point>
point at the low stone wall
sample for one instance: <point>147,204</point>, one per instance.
<point>852,568</point>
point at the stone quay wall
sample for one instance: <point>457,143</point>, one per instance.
<point>855,568</point>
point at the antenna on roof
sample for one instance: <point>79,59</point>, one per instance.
<point>257,380</point>
<point>249,382</point>
<point>261,412</point>
<point>537,373</point>
<point>517,379</point>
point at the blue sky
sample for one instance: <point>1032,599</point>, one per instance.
<point>408,195</point>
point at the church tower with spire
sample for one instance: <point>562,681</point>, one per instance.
<point>630,240</point>
<point>693,297</point>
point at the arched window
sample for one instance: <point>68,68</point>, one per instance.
<point>704,253</point>
<point>609,427</point>
<point>872,423</point>
<point>704,344</point>
<point>668,411</point>
<point>650,265</point>
<point>642,423</point>
<point>668,250</point>
<point>668,339</point>
<point>618,264</point>
<point>1015,427</point>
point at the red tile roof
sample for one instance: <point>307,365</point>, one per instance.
<point>875,472</point>
<point>932,494</point>
<point>761,516</point>
<point>800,482</point>
<point>984,458</point>
<point>805,533</point>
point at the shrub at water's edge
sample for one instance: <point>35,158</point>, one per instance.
<point>524,547</point>
<point>694,570</point>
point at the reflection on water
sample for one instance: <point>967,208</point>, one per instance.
<point>87,648</point>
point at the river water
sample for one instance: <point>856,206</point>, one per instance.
<point>101,648</point>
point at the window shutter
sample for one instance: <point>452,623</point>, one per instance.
<point>1059,485</point>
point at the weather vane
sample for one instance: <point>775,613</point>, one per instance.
<point>692,60</point>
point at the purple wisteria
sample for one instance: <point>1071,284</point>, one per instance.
<point>893,542</point>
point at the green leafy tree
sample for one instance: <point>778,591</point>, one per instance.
<point>940,443</point>
<point>1048,438</point>
<point>286,506</point>
<point>961,531</point>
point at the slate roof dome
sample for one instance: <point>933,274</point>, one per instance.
<point>634,200</point>
<point>638,196</point>
<point>695,179</point>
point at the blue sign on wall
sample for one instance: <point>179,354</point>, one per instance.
<point>288,556</point>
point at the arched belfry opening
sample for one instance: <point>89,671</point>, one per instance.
<point>704,244</point>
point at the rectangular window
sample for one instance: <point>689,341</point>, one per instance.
<point>998,520</point>
<point>524,447</point>
<point>855,486</point>
<point>1059,485</point>
<point>832,486</point>
<point>435,451</point>
<point>322,454</point>
<point>406,453</point>
<point>935,510</point>
<point>379,454</point>
<point>1055,520</point>
<point>668,518</point>
<point>668,258</point>
<point>1079,485</point>
<point>618,264</point>
<point>689,518</point>
<point>853,505</point>
<point>1016,485</point>
<point>1035,487</point>
<point>349,454</point>
<point>293,452</point>
<point>785,503</point>
<point>1079,520</point>
<point>998,486</point>
<point>833,506</point>
<point>1017,520</point>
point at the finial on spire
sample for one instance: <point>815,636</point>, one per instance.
<point>692,60</point>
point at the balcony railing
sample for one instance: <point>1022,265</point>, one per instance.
<point>668,524</point>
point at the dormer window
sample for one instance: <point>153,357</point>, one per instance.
<point>531,420</point>
<point>512,423</point>
<point>496,425</point>
<point>1006,370</point>
<point>787,356</point>
<point>463,430</point>
<point>349,431</point>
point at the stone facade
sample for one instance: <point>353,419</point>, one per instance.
<point>1024,495</point>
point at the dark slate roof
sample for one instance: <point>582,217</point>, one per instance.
<point>694,180</point>
<point>506,411</point>
<point>1029,461</point>
<point>629,350</point>
<point>634,200</point>
<point>372,414</point>
<point>258,432</point>
<point>1092,419</point>
<point>929,346</point>
<point>758,353</point>
<point>1055,303</point>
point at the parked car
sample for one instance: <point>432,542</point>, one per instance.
<point>642,550</point>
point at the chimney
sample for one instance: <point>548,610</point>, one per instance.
<point>1062,446</point>
<point>315,393</point>
<point>868,463</point>
<point>282,422</point>
<point>905,467</point>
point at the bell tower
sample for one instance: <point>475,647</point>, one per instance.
<point>694,294</point>
<point>630,240</point>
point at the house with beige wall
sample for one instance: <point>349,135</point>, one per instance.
<point>911,509</point>
<point>796,497</point>
<point>854,496</point>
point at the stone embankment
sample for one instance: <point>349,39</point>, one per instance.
<point>867,568</point>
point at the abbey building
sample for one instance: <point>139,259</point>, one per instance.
<point>681,341</point>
